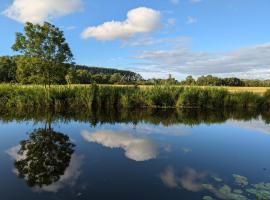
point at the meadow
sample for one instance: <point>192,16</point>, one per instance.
<point>108,96</point>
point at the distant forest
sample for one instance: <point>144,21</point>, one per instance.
<point>10,72</point>
<point>81,74</point>
<point>44,57</point>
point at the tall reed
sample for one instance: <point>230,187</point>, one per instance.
<point>94,96</point>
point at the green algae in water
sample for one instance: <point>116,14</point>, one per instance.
<point>238,191</point>
<point>227,192</point>
<point>208,198</point>
<point>217,179</point>
<point>261,190</point>
<point>240,180</point>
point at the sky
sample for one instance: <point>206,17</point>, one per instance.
<point>154,37</point>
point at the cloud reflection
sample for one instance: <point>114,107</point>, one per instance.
<point>188,181</point>
<point>194,181</point>
<point>137,149</point>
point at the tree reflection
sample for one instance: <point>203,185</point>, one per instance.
<point>44,157</point>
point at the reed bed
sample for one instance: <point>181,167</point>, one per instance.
<point>94,96</point>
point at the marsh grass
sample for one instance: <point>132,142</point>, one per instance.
<point>94,96</point>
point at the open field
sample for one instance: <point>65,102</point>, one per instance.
<point>256,90</point>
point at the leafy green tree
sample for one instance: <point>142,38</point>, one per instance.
<point>83,77</point>
<point>115,78</point>
<point>209,80</point>
<point>46,51</point>
<point>232,82</point>
<point>7,69</point>
<point>190,80</point>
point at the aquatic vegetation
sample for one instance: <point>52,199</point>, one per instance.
<point>261,190</point>
<point>207,198</point>
<point>240,180</point>
<point>217,179</point>
<point>195,181</point>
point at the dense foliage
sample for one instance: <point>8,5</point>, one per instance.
<point>232,81</point>
<point>44,53</point>
<point>20,69</point>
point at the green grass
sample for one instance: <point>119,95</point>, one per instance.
<point>94,96</point>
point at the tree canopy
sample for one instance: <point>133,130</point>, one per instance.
<point>45,52</point>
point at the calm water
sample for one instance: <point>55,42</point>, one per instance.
<point>135,155</point>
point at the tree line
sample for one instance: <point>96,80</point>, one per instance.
<point>210,80</point>
<point>17,69</point>
<point>44,57</point>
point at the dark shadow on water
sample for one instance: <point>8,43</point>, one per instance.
<point>149,115</point>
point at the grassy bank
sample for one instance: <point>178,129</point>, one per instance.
<point>93,96</point>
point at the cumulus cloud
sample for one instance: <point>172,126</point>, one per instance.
<point>139,20</point>
<point>38,11</point>
<point>137,149</point>
<point>253,61</point>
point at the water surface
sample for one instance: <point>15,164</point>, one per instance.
<point>157,154</point>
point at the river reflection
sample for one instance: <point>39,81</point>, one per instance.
<point>46,160</point>
<point>137,149</point>
<point>135,154</point>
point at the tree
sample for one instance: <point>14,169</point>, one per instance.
<point>190,80</point>
<point>232,82</point>
<point>45,49</point>
<point>115,78</point>
<point>7,69</point>
<point>170,80</point>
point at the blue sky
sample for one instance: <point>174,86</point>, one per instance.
<point>158,37</point>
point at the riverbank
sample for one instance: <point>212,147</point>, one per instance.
<point>94,96</point>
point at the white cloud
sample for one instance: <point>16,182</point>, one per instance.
<point>248,62</point>
<point>38,11</point>
<point>137,149</point>
<point>191,20</point>
<point>150,41</point>
<point>175,2</point>
<point>139,20</point>
<point>195,1</point>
